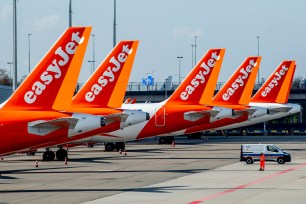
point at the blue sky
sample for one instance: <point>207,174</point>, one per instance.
<point>166,29</point>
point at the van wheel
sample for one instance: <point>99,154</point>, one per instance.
<point>280,160</point>
<point>249,160</point>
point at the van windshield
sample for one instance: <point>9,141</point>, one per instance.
<point>277,148</point>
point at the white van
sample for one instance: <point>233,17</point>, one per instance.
<point>251,152</point>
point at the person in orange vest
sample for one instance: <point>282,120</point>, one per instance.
<point>262,162</point>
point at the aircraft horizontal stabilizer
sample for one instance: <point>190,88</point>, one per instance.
<point>273,111</point>
<point>42,127</point>
<point>197,115</point>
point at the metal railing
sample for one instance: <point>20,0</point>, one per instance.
<point>160,86</point>
<point>296,87</point>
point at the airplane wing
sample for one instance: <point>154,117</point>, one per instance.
<point>196,115</point>
<point>43,127</point>
<point>116,117</point>
<point>59,122</point>
<point>273,111</point>
<point>249,111</point>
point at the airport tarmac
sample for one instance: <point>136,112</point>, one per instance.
<point>194,171</point>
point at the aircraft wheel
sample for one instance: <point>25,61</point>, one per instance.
<point>109,147</point>
<point>162,140</point>
<point>48,156</point>
<point>31,153</point>
<point>61,154</point>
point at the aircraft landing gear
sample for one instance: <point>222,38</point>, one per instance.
<point>32,153</point>
<point>61,154</point>
<point>120,146</point>
<point>109,147</point>
<point>48,155</point>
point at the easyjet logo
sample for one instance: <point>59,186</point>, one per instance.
<point>53,71</point>
<point>205,69</point>
<point>274,82</point>
<point>108,76</point>
<point>240,80</point>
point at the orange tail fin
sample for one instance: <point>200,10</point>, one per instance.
<point>277,88</point>
<point>53,80</point>
<point>199,85</point>
<point>107,86</point>
<point>238,89</point>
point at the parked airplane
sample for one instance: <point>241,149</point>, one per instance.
<point>269,102</point>
<point>235,93</point>
<point>28,117</point>
<point>183,109</point>
<point>103,94</point>
<point>273,95</point>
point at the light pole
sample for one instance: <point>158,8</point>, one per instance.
<point>166,95</point>
<point>179,76</point>
<point>192,45</point>
<point>264,123</point>
<point>93,50</point>
<point>10,63</point>
<point>14,45</point>
<point>258,56</point>
<point>195,50</point>
<point>29,40</point>
<point>70,14</point>
<point>91,63</point>
<point>114,31</point>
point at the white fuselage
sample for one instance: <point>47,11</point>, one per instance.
<point>131,132</point>
<point>127,133</point>
<point>295,108</point>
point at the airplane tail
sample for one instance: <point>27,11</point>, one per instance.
<point>107,86</point>
<point>48,85</point>
<point>199,86</point>
<point>167,84</point>
<point>238,89</point>
<point>277,88</point>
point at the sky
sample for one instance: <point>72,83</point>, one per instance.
<point>166,29</point>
